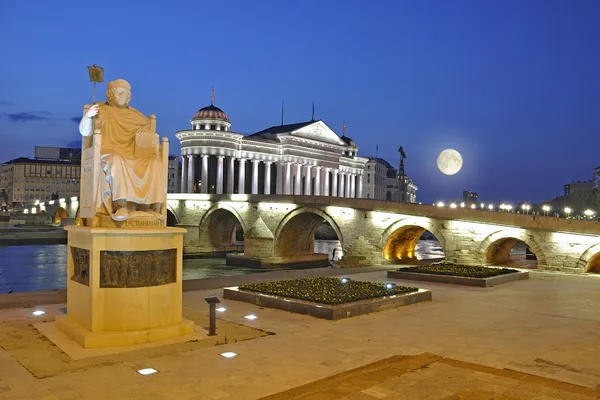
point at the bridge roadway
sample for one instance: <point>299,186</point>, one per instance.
<point>280,229</point>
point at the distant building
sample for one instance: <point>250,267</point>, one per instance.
<point>470,197</point>
<point>578,187</point>
<point>380,181</point>
<point>383,182</point>
<point>174,185</point>
<point>596,177</point>
<point>27,179</point>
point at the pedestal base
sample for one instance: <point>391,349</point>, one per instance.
<point>124,286</point>
<point>89,339</point>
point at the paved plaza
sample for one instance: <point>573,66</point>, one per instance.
<point>532,339</point>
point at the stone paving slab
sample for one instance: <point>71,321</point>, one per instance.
<point>545,326</point>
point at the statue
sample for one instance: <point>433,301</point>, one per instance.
<point>134,180</point>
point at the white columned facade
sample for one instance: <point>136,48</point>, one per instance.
<point>360,187</point>
<point>352,186</point>
<point>280,180</point>
<point>325,191</point>
<point>287,179</point>
<point>184,177</point>
<point>298,180</point>
<point>268,177</point>
<point>334,183</point>
<point>190,183</point>
<point>204,188</point>
<point>342,185</point>
<point>230,174</point>
<point>307,181</point>
<point>317,181</point>
<point>242,176</point>
<point>220,174</point>
<point>255,176</point>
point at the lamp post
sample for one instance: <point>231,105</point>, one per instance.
<point>589,213</point>
<point>546,208</point>
<point>568,211</point>
<point>212,303</point>
<point>526,208</point>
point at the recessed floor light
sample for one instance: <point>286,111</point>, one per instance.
<point>146,371</point>
<point>251,316</point>
<point>37,313</point>
<point>229,354</point>
<point>220,309</point>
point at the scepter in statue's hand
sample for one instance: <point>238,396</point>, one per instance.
<point>96,75</point>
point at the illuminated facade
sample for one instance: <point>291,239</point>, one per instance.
<point>384,183</point>
<point>306,158</point>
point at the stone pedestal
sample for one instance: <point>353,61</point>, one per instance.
<point>124,286</point>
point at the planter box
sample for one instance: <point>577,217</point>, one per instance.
<point>459,280</point>
<point>327,311</point>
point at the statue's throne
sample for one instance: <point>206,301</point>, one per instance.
<point>92,211</point>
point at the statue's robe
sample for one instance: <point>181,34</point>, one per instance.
<point>132,175</point>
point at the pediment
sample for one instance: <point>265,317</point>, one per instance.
<point>318,131</point>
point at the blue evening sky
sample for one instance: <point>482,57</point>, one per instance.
<point>512,85</point>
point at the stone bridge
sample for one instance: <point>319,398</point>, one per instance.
<point>62,211</point>
<point>280,230</point>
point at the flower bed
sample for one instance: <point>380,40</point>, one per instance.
<point>469,271</point>
<point>327,290</point>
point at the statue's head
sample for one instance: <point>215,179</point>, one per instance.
<point>118,93</point>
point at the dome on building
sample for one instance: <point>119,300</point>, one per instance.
<point>211,112</point>
<point>348,141</point>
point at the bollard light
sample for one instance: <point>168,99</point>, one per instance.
<point>212,305</point>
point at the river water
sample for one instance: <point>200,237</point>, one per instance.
<point>43,267</point>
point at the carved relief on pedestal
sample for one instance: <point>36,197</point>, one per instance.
<point>81,265</point>
<point>129,269</point>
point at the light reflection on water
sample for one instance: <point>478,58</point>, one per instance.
<point>44,267</point>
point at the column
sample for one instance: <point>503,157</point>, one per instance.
<point>205,173</point>
<point>360,187</point>
<point>219,174</point>
<point>334,183</point>
<point>242,176</point>
<point>353,186</point>
<point>317,181</point>
<point>279,185</point>
<point>298,187</point>
<point>308,180</point>
<point>230,174</point>
<point>183,174</point>
<point>287,184</point>
<point>255,176</point>
<point>347,185</point>
<point>342,183</point>
<point>326,181</point>
<point>190,182</point>
<point>268,177</point>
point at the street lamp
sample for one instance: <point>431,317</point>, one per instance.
<point>440,204</point>
<point>546,208</point>
<point>452,205</point>
<point>473,206</point>
<point>589,213</point>
<point>508,207</point>
<point>526,208</point>
<point>491,207</point>
<point>462,205</point>
<point>568,211</point>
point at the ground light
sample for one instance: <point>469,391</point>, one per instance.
<point>229,354</point>
<point>37,313</point>
<point>344,280</point>
<point>146,371</point>
<point>389,285</point>
<point>251,317</point>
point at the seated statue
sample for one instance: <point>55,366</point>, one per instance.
<point>129,155</point>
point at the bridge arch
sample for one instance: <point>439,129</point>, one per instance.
<point>590,260</point>
<point>495,248</point>
<point>217,228</point>
<point>295,233</point>
<point>400,239</point>
<point>59,214</point>
<point>172,218</point>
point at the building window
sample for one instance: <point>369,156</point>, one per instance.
<point>213,127</point>
<point>368,178</point>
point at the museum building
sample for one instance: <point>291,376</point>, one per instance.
<point>306,158</point>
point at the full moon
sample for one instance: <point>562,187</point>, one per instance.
<point>449,161</point>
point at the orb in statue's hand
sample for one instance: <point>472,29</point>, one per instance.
<point>449,161</point>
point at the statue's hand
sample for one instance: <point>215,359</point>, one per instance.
<point>92,112</point>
